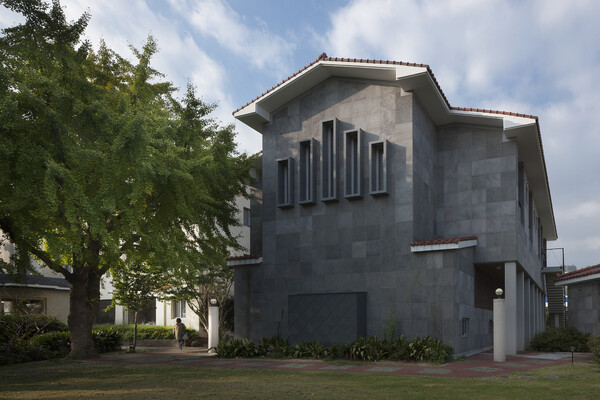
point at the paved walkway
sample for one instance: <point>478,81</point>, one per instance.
<point>477,366</point>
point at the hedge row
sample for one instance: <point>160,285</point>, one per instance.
<point>362,349</point>
<point>146,331</point>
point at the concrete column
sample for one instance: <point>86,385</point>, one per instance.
<point>532,303</point>
<point>213,327</point>
<point>527,308</point>
<point>499,331</point>
<point>542,312</point>
<point>520,311</point>
<point>510,305</point>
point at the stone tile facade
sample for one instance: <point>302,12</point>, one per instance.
<point>442,181</point>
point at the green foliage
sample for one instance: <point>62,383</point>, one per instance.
<point>428,349</point>
<point>237,348</point>
<point>560,339</point>
<point>46,344</point>
<point>145,331</point>
<point>363,349</point>
<point>107,340</point>
<point>275,346</point>
<point>102,164</point>
<point>594,345</point>
<point>52,344</point>
<point>15,327</point>
<point>308,350</point>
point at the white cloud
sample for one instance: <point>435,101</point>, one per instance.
<point>259,46</point>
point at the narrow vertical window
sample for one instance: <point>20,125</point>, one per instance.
<point>328,161</point>
<point>521,185</point>
<point>378,168</point>
<point>246,216</point>
<point>531,217</point>
<point>178,309</point>
<point>352,164</point>
<point>465,327</point>
<point>306,175</point>
<point>285,182</point>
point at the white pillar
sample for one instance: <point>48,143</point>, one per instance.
<point>499,331</point>
<point>542,312</point>
<point>532,308</point>
<point>527,308</point>
<point>520,311</point>
<point>510,305</point>
<point>213,327</point>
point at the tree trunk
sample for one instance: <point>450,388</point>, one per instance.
<point>84,304</point>
<point>135,315</point>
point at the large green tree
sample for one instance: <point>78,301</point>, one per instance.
<point>101,163</point>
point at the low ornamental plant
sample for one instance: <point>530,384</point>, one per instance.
<point>363,349</point>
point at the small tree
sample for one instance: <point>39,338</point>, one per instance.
<point>135,286</point>
<point>198,286</point>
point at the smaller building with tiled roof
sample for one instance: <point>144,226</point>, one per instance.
<point>583,298</point>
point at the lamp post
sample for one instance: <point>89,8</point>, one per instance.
<point>572,350</point>
<point>213,326</point>
<point>499,328</point>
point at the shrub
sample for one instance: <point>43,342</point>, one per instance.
<point>106,340</point>
<point>146,331</point>
<point>308,350</point>
<point>560,339</point>
<point>362,349</point>
<point>275,346</point>
<point>236,348</point>
<point>54,344</point>
<point>594,345</point>
<point>26,326</point>
<point>370,349</point>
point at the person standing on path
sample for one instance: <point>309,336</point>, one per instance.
<point>179,332</point>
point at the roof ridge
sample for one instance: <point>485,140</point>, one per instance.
<point>579,273</point>
<point>324,57</point>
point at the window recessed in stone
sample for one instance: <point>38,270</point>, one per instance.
<point>352,165</point>
<point>178,309</point>
<point>306,173</point>
<point>285,182</point>
<point>378,168</point>
<point>246,216</point>
<point>328,160</point>
<point>465,327</point>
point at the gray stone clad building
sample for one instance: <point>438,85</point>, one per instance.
<point>383,203</point>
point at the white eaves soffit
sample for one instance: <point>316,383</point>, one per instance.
<point>418,80</point>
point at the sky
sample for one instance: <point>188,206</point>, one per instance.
<point>539,57</point>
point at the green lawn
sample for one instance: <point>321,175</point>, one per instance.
<point>79,380</point>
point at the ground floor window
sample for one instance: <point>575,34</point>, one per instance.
<point>465,327</point>
<point>178,309</point>
<point>24,306</point>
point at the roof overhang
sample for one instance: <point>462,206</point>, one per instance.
<point>581,279</point>
<point>244,261</point>
<point>417,79</point>
<point>34,286</point>
<point>532,157</point>
<point>444,246</point>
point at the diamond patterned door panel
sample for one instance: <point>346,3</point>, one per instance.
<point>327,318</point>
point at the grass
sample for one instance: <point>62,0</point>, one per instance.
<point>89,380</point>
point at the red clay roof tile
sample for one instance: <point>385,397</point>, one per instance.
<point>580,273</point>
<point>324,57</point>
